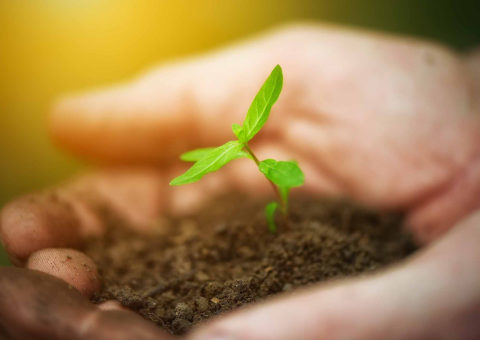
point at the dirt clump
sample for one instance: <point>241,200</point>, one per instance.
<point>196,267</point>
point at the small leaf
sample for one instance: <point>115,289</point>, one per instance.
<point>212,161</point>
<point>270,209</point>
<point>195,155</point>
<point>239,132</point>
<point>284,174</point>
<point>198,154</point>
<point>260,108</point>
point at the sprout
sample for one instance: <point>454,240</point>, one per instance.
<point>283,175</point>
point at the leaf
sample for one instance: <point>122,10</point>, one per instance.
<point>270,209</point>
<point>284,174</point>
<point>198,154</point>
<point>260,108</point>
<point>238,132</point>
<point>212,161</point>
<point>195,155</point>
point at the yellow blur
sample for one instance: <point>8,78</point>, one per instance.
<point>49,47</point>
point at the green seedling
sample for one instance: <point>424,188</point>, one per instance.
<point>283,175</point>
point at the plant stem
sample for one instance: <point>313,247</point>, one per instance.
<point>285,205</point>
<point>255,159</point>
<point>275,188</point>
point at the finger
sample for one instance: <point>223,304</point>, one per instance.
<point>135,196</point>
<point>330,73</point>
<point>167,111</point>
<point>63,217</point>
<point>73,267</point>
<point>35,222</point>
<point>38,306</point>
<point>436,214</point>
<point>434,295</point>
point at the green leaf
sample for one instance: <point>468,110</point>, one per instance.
<point>212,161</point>
<point>260,108</point>
<point>284,174</point>
<point>270,209</point>
<point>238,131</point>
<point>195,155</point>
<point>198,154</point>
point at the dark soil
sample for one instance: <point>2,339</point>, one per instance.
<point>198,267</point>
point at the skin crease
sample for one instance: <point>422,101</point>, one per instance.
<point>389,121</point>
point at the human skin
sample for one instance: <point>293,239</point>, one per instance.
<point>391,122</point>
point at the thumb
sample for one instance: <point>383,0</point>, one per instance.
<point>35,305</point>
<point>435,295</point>
<point>166,111</point>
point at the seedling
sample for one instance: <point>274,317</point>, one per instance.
<point>282,175</point>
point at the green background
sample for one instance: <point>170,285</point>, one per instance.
<point>48,47</point>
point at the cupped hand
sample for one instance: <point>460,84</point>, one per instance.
<point>391,122</point>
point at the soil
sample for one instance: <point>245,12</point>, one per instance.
<point>196,267</point>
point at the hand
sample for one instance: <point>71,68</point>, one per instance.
<point>390,122</point>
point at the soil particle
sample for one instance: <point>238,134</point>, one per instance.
<point>223,258</point>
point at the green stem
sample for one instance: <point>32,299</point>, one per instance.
<point>283,202</point>
<point>255,159</point>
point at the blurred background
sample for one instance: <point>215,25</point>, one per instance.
<point>49,47</point>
